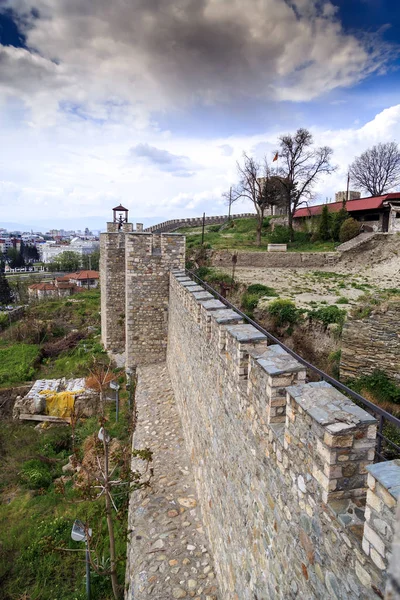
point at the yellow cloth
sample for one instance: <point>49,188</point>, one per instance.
<point>60,404</point>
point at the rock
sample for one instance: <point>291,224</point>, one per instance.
<point>178,592</point>
<point>187,502</point>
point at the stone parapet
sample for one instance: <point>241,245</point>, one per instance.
<point>380,517</point>
<point>275,459</point>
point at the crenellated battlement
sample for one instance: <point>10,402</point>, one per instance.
<point>281,464</point>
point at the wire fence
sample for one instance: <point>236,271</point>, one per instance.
<point>388,426</point>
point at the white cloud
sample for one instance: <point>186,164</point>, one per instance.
<point>83,171</point>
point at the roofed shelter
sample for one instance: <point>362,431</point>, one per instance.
<point>376,213</point>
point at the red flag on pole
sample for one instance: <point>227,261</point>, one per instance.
<point>275,157</point>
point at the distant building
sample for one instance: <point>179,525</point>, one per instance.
<point>81,279</point>
<point>342,196</point>
<point>39,291</point>
<point>376,213</point>
<point>49,250</point>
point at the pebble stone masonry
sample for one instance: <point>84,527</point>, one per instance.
<point>292,503</point>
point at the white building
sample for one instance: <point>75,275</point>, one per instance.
<point>50,250</point>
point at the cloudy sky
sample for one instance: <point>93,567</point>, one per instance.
<point>151,102</point>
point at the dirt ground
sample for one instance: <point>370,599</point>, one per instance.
<point>374,267</point>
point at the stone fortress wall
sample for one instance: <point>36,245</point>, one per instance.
<point>174,224</point>
<point>292,503</point>
<point>372,343</point>
<point>281,466</point>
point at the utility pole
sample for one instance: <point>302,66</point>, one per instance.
<point>202,231</point>
<point>348,186</point>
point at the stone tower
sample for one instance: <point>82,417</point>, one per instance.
<point>134,280</point>
<point>112,285</point>
<point>149,258</point>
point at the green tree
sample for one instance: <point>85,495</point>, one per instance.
<point>324,229</point>
<point>337,220</point>
<point>67,261</point>
<point>5,291</point>
<point>15,258</point>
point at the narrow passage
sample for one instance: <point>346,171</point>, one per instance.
<point>168,554</point>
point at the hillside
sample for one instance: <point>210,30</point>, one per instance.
<point>240,235</point>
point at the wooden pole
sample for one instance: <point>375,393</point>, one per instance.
<point>202,231</point>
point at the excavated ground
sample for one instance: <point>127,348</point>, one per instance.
<point>373,266</point>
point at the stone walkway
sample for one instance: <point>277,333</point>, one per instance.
<point>168,550</point>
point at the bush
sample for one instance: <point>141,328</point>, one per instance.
<point>36,474</point>
<point>342,300</point>
<point>328,315</point>
<point>379,385</point>
<point>259,288</point>
<point>348,230</point>
<point>252,295</point>
<point>280,235</point>
<point>249,303</point>
<point>214,228</point>
<point>337,221</point>
<point>202,272</point>
<point>284,312</point>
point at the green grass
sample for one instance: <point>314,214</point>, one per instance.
<point>35,524</point>
<point>240,235</point>
<point>17,363</point>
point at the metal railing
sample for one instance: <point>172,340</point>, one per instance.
<point>386,449</point>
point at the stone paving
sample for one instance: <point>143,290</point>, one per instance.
<point>169,553</point>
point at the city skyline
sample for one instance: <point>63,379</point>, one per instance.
<point>152,107</point>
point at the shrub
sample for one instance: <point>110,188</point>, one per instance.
<point>342,300</point>
<point>203,272</point>
<point>328,315</point>
<point>249,302</point>
<point>215,276</point>
<point>252,295</point>
<point>348,230</point>
<point>36,474</point>
<point>214,228</point>
<point>280,235</point>
<point>259,288</point>
<point>379,385</point>
<point>284,312</point>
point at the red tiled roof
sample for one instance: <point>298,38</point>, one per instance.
<point>85,275</point>
<point>42,286</point>
<point>371,203</point>
<point>65,285</point>
<point>79,275</point>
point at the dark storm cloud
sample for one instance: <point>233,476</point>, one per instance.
<point>171,53</point>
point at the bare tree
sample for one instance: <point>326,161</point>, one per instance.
<point>258,184</point>
<point>377,170</point>
<point>230,198</point>
<point>300,167</point>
